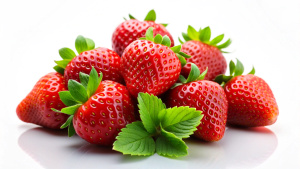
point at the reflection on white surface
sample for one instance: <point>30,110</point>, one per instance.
<point>240,148</point>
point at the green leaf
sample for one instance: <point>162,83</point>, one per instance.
<point>205,34</point>
<point>192,33</point>
<point>182,79</point>
<point>181,121</point>
<point>149,107</point>
<point>149,34</point>
<point>151,16</point>
<point>84,79</point>
<point>252,71</point>
<point>176,49</point>
<point>231,67</point>
<point>239,68</point>
<point>67,123</point>
<point>78,91</point>
<point>194,73</point>
<point>158,39</point>
<point>67,98</point>
<point>222,78</point>
<point>93,82</point>
<point>71,130</point>
<point>203,74</point>
<point>71,110</point>
<point>164,24</point>
<point>124,18</point>
<point>184,55</point>
<point>181,59</point>
<point>66,53</point>
<point>166,41</point>
<point>59,69</point>
<point>224,45</point>
<point>186,37</point>
<point>100,78</point>
<point>180,41</point>
<point>216,40</point>
<point>167,144</point>
<point>134,140</point>
<point>55,110</point>
<point>90,43</point>
<point>175,85</point>
<point>63,63</point>
<point>142,38</point>
<point>131,17</point>
<point>81,44</point>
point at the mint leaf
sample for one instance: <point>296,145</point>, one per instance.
<point>167,144</point>
<point>149,107</point>
<point>134,140</point>
<point>181,121</point>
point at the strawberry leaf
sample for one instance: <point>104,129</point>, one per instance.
<point>78,91</point>
<point>67,98</point>
<point>149,34</point>
<point>216,40</point>
<point>63,63</point>
<point>231,67</point>
<point>81,44</point>
<point>151,16</point>
<point>205,34</point>
<point>90,44</point>
<point>166,41</point>
<point>239,68</point>
<point>181,121</point>
<point>59,69</point>
<point>252,72</point>
<point>186,37</point>
<point>164,24</point>
<point>66,53</point>
<point>167,144</point>
<point>134,140</point>
<point>150,106</point>
<point>84,79</point>
<point>194,73</point>
<point>71,130</point>
<point>176,49</point>
<point>225,44</point>
<point>181,59</point>
<point>93,83</point>
<point>158,39</point>
<point>192,33</point>
<point>131,17</point>
<point>68,122</point>
<point>71,109</point>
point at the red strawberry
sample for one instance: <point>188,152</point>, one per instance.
<point>102,59</point>
<point>36,107</point>
<point>150,66</point>
<point>99,110</point>
<point>250,99</point>
<point>131,30</point>
<point>205,53</point>
<point>204,95</point>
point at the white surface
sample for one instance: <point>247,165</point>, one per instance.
<point>264,33</point>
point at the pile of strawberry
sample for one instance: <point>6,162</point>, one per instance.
<point>146,95</point>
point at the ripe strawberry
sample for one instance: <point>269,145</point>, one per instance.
<point>133,29</point>
<point>36,107</point>
<point>150,66</point>
<point>99,110</point>
<point>205,53</point>
<point>204,95</point>
<point>102,59</point>
<point>250,99</point>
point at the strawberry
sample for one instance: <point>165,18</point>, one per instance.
<point>150,66</point>
<point>36,107</point>
<point>102,59</point>
<point>133,29</point>
<point>205,52</point>
<point>206,96</point>
<point>250,99</point>
<point>98,110</point>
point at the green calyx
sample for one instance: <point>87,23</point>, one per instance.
<point>151,16</point>
<point>194,75</point>
<point>77,95</point>
<point>235,70</point>
<point>165,40</point>
<point>204,35</point>
<point>161,130</point>
<point>81,44</point>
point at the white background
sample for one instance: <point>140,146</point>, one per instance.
<point>265,34</point>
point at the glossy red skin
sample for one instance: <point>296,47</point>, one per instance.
<point>208,97</point>
<point>131,30</point>
<point>204,55</point>
<point>36,106</point>
<point>102,59</point>
<point>101,118</point>
<point>148,67</point>
<point>251,102</point>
